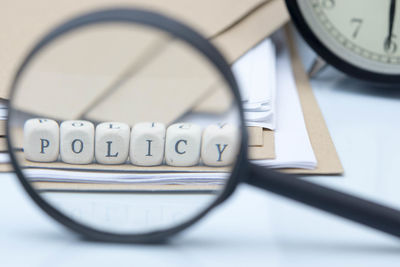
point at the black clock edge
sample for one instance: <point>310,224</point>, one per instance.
<point>329,56</point>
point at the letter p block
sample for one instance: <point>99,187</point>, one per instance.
<point>41,140</point>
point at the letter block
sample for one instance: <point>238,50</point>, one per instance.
<point>147,144</point>
<point>220,144</point>
<point>77,142</point>
<point>112,142</point>
<point>41,140</point>
<point>182,146</point>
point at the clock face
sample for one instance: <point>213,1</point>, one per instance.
<point>359,32</point>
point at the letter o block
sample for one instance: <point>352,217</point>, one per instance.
<point>182,145</point>
<point>112,142</point>
<point>77,142</point>
<point>41,140</point>
<point>220,145</point>
<point>147,144</point>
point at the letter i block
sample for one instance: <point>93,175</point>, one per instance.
<point>112,143</point>
<point>77,142</point>
<point>147,144</point>
<point>220,145</point>
<point>182,146</point>
<point>41,140</point>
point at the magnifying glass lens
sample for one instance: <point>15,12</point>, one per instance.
<point>124,128</point>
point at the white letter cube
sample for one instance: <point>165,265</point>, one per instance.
<point>147,144</point>
<point>182,146</point>
<point>77,142</point>
<point>220,145</point>
<point>112,143</point>
<point>41,140</point>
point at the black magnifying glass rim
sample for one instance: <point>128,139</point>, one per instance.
<point>330,57</point>
<point>143,17</point>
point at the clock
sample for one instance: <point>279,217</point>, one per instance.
<point>358,37</point>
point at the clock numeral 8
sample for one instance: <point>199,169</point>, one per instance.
<point>328,4</point>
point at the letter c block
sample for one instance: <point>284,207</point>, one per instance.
<point>182,145</point>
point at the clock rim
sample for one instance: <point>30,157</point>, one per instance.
<point>329,56</point>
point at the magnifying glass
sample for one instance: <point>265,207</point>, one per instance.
<point>126,125</point>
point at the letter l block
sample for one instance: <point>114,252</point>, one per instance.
<point>112,143</point>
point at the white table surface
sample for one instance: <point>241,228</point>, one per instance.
<point>253,228</point>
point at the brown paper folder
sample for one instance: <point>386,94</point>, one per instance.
<point>6,167</point>
<point>267,150</point>
<point>255,136</point>
<point>3,144</point>
<point>3,127</point>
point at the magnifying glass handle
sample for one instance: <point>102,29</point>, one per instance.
<point>347,206</point>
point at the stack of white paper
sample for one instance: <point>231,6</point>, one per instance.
<point>256,77</point>
<point>3,111</point>
<point>270,100</point>
<point>292,144</point>
<point>4,158</point>
<point>177,178</point>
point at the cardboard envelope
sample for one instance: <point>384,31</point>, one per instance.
<point>233,42</point>
<point>24,22</point>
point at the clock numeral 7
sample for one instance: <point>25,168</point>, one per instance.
<point>357,22</point>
